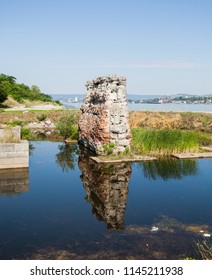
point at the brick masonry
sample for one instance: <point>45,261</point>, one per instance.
<point>104,117</point>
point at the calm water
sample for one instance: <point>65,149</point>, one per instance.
<point>67,207</point>
<point>65,99</point>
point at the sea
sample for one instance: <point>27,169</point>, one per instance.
<point>74,101</point>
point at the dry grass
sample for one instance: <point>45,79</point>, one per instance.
<point>171,120</point>
<point>9,137</point>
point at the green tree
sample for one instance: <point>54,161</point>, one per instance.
<point>10,79</point>
<point>5,87</point>
<point>35,89</point>
<point>3,94</point>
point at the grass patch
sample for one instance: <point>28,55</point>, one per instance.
<point>204,139</point>
<point>163,142</point>
<point>9,137</point>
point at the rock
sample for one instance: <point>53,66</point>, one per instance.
<point>48,122</point>
<point>105,115</point>
<point>48,132</point>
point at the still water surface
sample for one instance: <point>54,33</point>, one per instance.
<point>68,207</point>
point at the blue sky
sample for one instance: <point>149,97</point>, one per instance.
<point>161,46</point>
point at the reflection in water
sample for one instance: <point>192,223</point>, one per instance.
<point>14,181</point>
<point>67,157</point>
<point>169,168</point>
<point>106,189</point>
<point>163,220</point>
<point>31,149</point>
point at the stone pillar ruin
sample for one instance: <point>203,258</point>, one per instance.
<point>104,118</point>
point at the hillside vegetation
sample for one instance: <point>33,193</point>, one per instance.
<point>11,90</point>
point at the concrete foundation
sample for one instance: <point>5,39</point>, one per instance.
<point>14,155</point>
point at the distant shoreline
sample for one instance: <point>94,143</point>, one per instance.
<point>35,107</point>
<point>66,100</point>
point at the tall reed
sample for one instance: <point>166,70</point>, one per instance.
<point>163,142</point>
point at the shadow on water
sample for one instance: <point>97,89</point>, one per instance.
<point>106,187</point>
<point>169,168</point>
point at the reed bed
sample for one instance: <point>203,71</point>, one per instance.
<point>163,142</point>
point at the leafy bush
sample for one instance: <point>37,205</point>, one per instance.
<point>74,133</point>
<point>58,102</point>
<point>66,125</point>
<point>3,94</point>
<point>41,117</point>
<point>26,133</point>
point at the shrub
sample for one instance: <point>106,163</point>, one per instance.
<point>66,126</point>
<point>58,102</point>
<point>3,94</point>
<point>26,133</point>
<point>41,117</point>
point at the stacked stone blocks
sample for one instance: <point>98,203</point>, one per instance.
<point>104,117</point>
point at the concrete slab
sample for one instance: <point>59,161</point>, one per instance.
<point>206,148</point>
<point>193,155</point>
<point>134,159</point>
<point>14,155</point>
